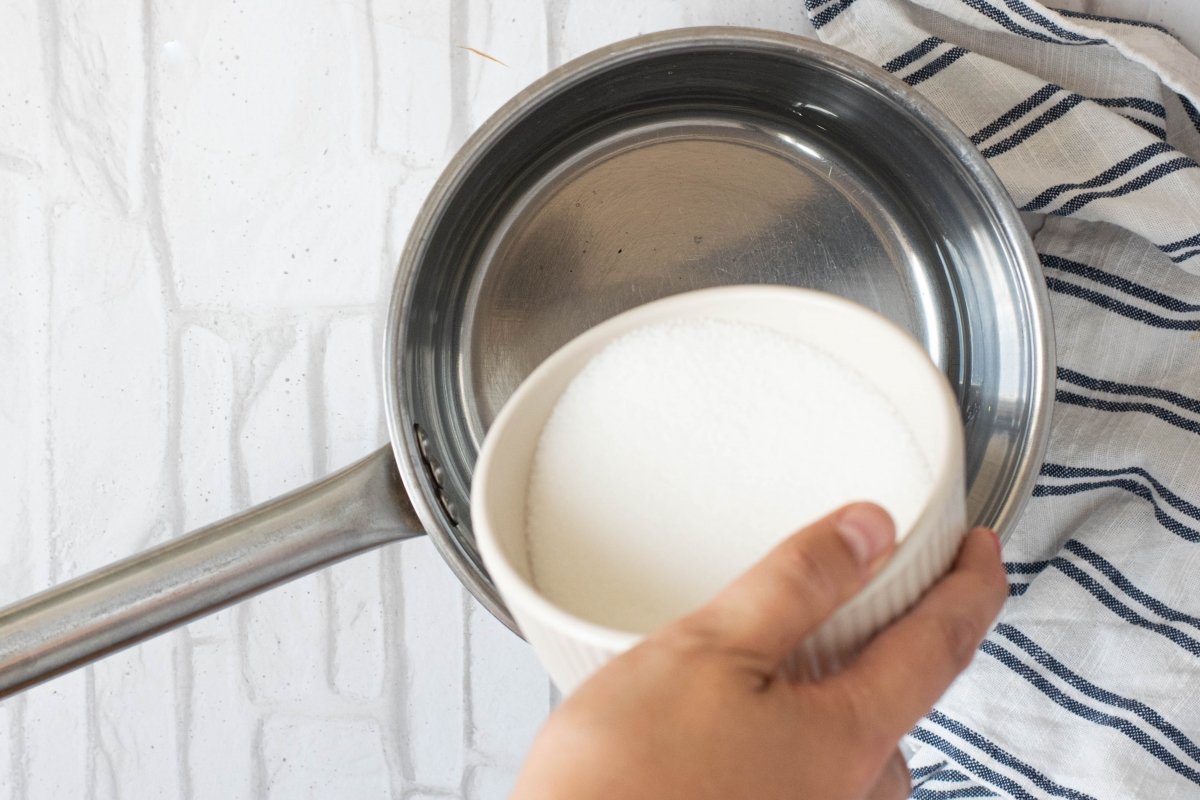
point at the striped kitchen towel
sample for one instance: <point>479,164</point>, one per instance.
<point>1089,686</point>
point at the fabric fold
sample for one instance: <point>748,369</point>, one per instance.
<point>1079,115</point>
<point>1089,685</point>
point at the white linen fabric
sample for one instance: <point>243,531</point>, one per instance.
<point>1089,685</point>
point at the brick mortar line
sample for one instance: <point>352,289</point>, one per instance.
<point>556,23</point>
<point>183,668</point>
<point>396,728</point>
<point>318,344</point>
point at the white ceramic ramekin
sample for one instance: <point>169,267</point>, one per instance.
<point>888,357</point>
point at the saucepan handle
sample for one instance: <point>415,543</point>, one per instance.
<point>359,508</point>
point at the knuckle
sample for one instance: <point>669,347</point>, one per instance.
<point>687,637</point>
<point>818,581</point>
<point>999,585</point>
<point>960,636</point>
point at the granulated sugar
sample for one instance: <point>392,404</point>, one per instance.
<point>685,450</point>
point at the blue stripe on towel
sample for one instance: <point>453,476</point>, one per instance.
<point>1191,111</point>
<point>1118,723</point>
<point>823,18</point>
<point>996,753</point>
<point>1178,637</point>
<point>1033,16</point>
<point>1117,282</point>
<point>1122,167</point>
<point>1072,570</point>
<point>1172,634</point>
<point>934,67</point>
<point>1175,501</point>
<point>1046,118</point>
<point>1117,407</point>
<point>951,794</point>
<point>1191,241</point>
<point>1095,692</point>
<point>1149,127</point>
<point>950,776</point>
<point>1025,567</point>
<point>1139,103</point>
<point>1148,177</point>
<point>1118,20</point>
<point>1133,487</point>
<point>1004,21</point>
<point>1109,571</point>
<point>916,53</point>
<point>1136,390</point>
<point>1006,783</point>
<point>1016,112</point>
<point>1124,309</point>
<point>927,771</point>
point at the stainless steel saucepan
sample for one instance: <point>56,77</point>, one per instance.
<point>666,163</point>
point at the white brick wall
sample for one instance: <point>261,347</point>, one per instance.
<point>24,348</point>
<point>201,207</point>
<point>431,678</point>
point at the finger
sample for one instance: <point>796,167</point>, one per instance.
<point>894,782</point>
<point>907,667</point>
<point>777,602</point>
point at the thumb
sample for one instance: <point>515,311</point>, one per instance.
<point>767,611</point>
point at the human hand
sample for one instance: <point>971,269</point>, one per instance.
<point>702,708</point>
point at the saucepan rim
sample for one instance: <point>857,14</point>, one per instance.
<point>447,534</point>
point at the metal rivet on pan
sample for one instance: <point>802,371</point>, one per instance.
<point>422,441</point>
<point>436,469</point>
<point>448,506</point>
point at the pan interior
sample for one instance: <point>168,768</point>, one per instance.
<point>698,165</point>
<point>687,201</point>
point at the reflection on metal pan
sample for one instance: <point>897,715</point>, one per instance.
<point>703,158</point>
